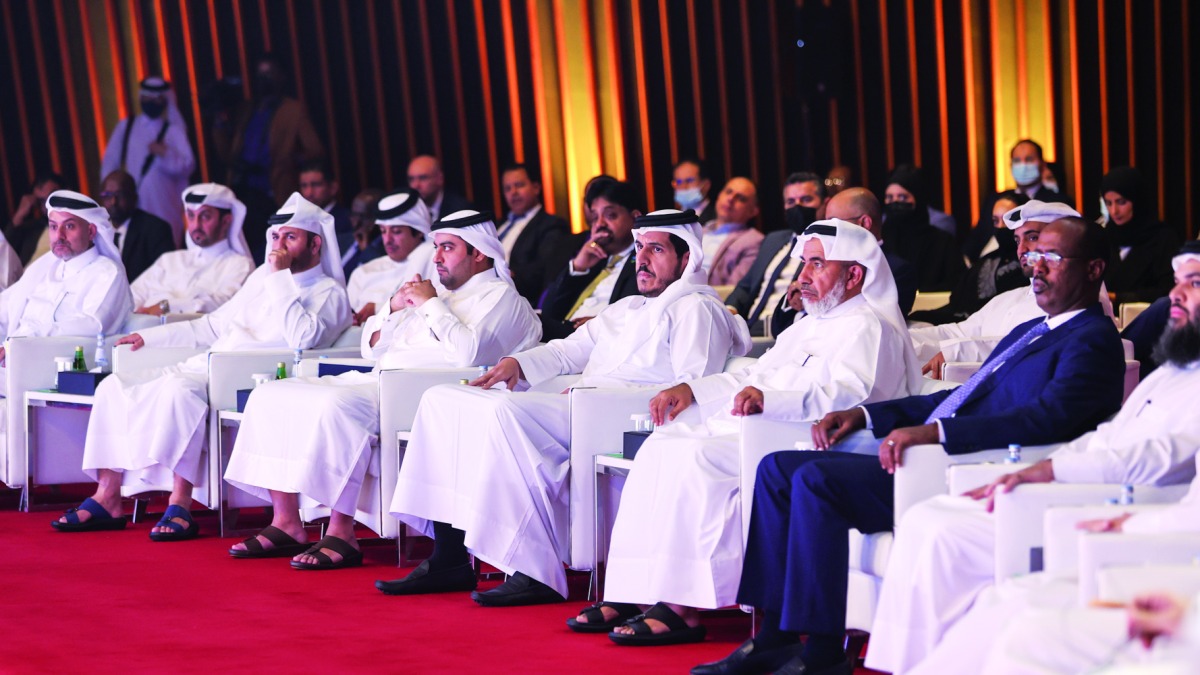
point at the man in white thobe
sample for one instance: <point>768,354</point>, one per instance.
<point>678,533</point>
<point>944,551</point>
<point>10,264</point>
<point>324,454</point>
<point>974,338</point>
<point>149,428</point>
<point>153,147</point>
<point>214,266</point>
<point>404,223</point>
<point>486,471</point>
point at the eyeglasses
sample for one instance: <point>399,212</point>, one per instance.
<point>1053,260</point>
<point>682,182</point>
<point>835,182</point>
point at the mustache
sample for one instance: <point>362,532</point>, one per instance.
<point>646,269</point>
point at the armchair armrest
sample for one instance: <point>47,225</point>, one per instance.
<point>1118,566</point>
<point>974,469</point>
<point>1020,514</point>
<point>125,360</point>
<point>758,438</point>
<point>598,418</point>
<point>1063,537</point>
<point>959,372</point>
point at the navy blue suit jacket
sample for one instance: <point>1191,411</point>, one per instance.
<point>1059,387</point>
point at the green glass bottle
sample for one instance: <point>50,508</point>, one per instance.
<point>280,371</point>
<point>79,365</point>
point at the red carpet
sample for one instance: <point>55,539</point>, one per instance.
<point>112,602</point>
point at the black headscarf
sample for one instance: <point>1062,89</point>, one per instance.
<point>903,220</point>
<point>1127,182</point>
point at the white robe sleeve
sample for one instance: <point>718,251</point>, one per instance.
<point>200,332</point>
<point>699,344</point>
<point>713,392</point>
<point>314,323</point>
<point>383,322</point>
<point>485,336</point>
<point>560,357</point>
<point>178,160</point>
<point>231,275</point>
<point>1183,516</point>
<point>104,307</point>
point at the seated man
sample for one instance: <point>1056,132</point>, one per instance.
<point>850,348</point>
<point>324,453</point>
<point>215,264</point>
<point>78,290</point>
<point>404,222</point>
<point>140,236</point>
<point>486,471</point>
<point>945,556</point>
<point>1048,380</point>
<point>153,424</point>
<point>730,242</point>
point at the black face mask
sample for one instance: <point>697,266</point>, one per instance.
<point>1006,242</point>
<point>153,109</point>
<point>799,217</point>
<point>900,214</point>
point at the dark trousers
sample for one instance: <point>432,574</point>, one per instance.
<point>797,553</point>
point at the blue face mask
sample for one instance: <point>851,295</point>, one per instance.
<point>1026,173</point>
<point>689,198</point>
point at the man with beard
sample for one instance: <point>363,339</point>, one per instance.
<point>404,221</point>
<point>943,557</point>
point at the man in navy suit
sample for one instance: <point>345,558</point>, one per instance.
<point>531,235</point>
<point>1049,380</point>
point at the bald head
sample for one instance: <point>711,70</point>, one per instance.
<point>425,177</point>
<point>857,205</point>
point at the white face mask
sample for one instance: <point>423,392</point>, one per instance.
<point>1103,211</point>
<point>1026,173</point>
<point>689,198</point>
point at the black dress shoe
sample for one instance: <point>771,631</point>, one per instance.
<point>749,660</point>
<point>796,667</point>
<point>425,580</point>
<point>518,590</point>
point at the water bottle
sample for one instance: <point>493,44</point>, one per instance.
<point>78,364</point>
<point>1014,453</point>
<point>101,358</point>
<point>296,356</point>
<point>1126,495</point>
<point>280,371</point>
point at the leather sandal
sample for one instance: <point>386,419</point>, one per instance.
<point>351,557</point>
<point>596,623</point>
<point>284,546</point>
<point>677,633</point>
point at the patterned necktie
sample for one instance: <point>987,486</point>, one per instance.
<point>951,403</point>
<point>591,288</point>
<point>512,220</point>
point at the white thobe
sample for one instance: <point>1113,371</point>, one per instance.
<point>377,280</point>
<point>198,279</point>
<point>494,463</point>
<point>944,552</point>
<point>10,264</point>
<point>168,176</point>
<point>152,423</point>
<point>678,532</point>
<point>324,454</point>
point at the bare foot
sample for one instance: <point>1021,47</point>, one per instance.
<point>334,556</point>
<point>296,533</point>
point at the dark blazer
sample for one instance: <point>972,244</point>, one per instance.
<point>343,230</point>
<point>564,291</point>
<point>146,238</point>
<point>1144,332</point>
<point>743,295</point>
<point>534,259</point>
<point>1059,387</point>
<point>452,201</point>
<point>709,212</point>
<point>1145,274</point>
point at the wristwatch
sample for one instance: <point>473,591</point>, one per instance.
<point>164,307</point>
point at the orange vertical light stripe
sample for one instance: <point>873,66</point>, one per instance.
<point>1129,100</point>
<point>265,24</point>
<point>1051,142</point>
<point>327,90</point>
<point>352,81</point>
<point>748,83</point>
<point>218,65</point>
<point>999,102</point>
<point>118,62</point>
<point>639,69</point>
<point>884,51</point>
<point>141,60</point>
<point>514,91</point>
<point>722,92</point>
<point>570,148</point>
<point>694,50</point>
<point>1022,72</point>
<point>240,31</point>
<point>1076,134</point>
<point>410,131</point>
<point>1158,108</point>
<point>385,144</point>
<point>781,168</point>
<point>485,75</point>
<point>859,92</point>
<point>1102,63</point>
<point>939,27</point>
<point>539,102</point>
<point>68,80</point>
<point>430,89</point>
<point>1187,117</point>
<point>89,50</point>
<point>614,98</point>
<point>197,123</point>
<point>294,36</point>
<point>460,104</point>
<point>40,60</point>
<point>19,91</point>
<point>664,38</point>
<point>972,113</point>
<point>913,94</point>
<point>160,30</point>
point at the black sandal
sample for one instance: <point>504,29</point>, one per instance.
<point>351,557</point>
<point>595,617</point>
<point>284,545</point>
<point>678,632</point>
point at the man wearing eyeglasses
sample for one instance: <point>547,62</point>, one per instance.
<point>692,184</point>
<point>1049,380</point>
